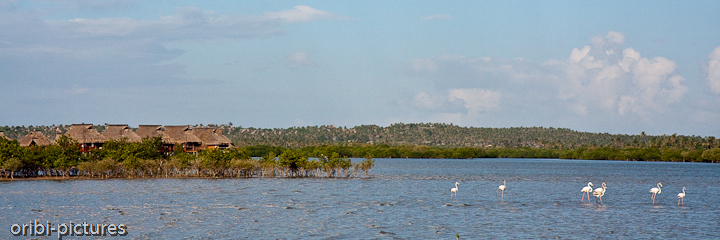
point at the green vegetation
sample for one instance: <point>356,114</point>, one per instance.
<point>121,159</point>
<point>324,151</point>
<point>453,136</point>
<point>587,153</point>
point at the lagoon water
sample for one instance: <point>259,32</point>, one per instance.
<point>405,199</point>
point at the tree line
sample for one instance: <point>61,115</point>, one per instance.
<point>453,136</point>
<point>122,159</point>
<point>426,134</point>
<point>590,152</point>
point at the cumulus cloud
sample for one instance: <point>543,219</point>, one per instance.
<point>437,17</point>
<point>603,78</point>
<point>713,71</point>
<point>599,77</point>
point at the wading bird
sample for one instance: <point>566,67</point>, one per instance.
<point>586,191</point>
<point>681,197</point>
<point>454,190</point>
<point>599,193</point>
<point>501,188</point>
<point>655,191</point>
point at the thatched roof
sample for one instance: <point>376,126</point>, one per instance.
<point>36,138</point>
<point>118,132</point>
<point>149,131</point>
<point>179,135</point>
<point>211,136</point>
<point>2,135</point>
<point>84,133</point>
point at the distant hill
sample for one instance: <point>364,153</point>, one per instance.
<point>425,134</point>
<point>453,136</point>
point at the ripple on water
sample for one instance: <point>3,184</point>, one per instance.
<point>406,199</point>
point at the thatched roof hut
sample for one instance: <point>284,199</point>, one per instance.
<point>149,131</point>
<point>35,138</point>
<point>85,134</point>
<point>212,138</point>
<point>119,132</point>
<point>179,135</point>
<point>2,135</point>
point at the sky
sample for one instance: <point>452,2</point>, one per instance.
<point>621,67</point>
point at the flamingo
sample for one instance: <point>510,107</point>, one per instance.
<point>501,188</point>
<point>586,190</point>
<point>599,192</point>
<point>454,190</point>
<point>655,191</point>
<point>681,197</point>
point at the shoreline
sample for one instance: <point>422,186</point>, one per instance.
<point>58,178</point>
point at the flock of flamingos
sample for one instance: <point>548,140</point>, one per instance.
<point>598,192</point>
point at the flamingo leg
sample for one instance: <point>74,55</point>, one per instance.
<point>653,197</point>
<point>583,198</point>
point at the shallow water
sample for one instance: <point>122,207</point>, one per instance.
<point>405,199</point>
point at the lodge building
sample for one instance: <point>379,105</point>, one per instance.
<point>192,139</point>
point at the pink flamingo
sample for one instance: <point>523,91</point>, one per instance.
<point>586,191</point>
<point>655,191</point>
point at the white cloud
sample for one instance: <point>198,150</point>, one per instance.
<point>626,103</point>
<point>81,49</point>
<point>477,100</point>
<point>300,59</point>
<point>427,101</point>
<point>600,79</point>
<point>437,17</point>
<point>578,54</point>
<point>129,36</point>
<point>713,71</point>
<point>630,56</point>
<point>579,109</point>
<point>615,37</point>
<point>189,23</point>
<point>301,14</point>
<point>423,65</point>
<point>470,100</point>
<point>597,78</point>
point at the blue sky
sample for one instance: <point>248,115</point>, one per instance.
<point>598,66</point>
